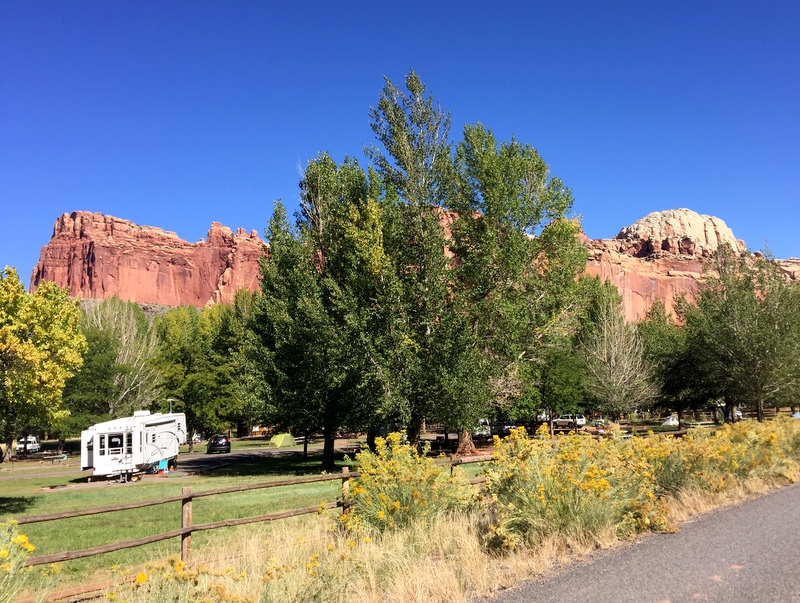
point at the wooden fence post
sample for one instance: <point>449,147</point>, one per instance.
<point>186,522</point>
<point>345,490</point>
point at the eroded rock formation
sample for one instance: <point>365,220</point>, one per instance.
<point>658,257</point>
<point>98,256</point>
<point>661,257</point>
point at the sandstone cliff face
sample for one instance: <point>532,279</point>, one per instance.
<point>98,256</point>
<point>659,257</point>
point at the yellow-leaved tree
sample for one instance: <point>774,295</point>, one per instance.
<point>41,346</point>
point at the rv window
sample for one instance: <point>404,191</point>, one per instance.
<point>102,445</point>
<point>129,443</point>
<point>114,443</point>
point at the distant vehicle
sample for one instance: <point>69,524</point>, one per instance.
<point>503,428</point>
<point>569,421</point>
<point>130,446</point>
<point>33,445</point>
<point>670,421</point>
<point>483,431</point>
<point>218,443</point>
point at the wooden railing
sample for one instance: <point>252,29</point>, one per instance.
<point>187,528</point>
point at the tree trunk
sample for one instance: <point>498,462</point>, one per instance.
<point>9,448</point>
<point>414,433</point>
<point>760,411</point>
<point>329,435</point>
<point>372,433</point>
<point>465,444</point>
<point>305,445</point>
<point>680,417</point>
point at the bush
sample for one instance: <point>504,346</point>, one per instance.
<point>580,488</point>
<point>14,551</point>
<point>575,487</point>
<point>398,486</point>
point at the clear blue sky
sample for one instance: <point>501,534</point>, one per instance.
<point>177,114</point>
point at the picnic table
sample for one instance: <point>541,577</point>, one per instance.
<point>55,458</point>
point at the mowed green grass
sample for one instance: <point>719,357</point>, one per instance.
<point>27,491</point>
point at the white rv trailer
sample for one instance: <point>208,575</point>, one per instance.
<point>130,446</point>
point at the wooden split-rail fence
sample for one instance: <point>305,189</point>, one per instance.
<point>188,528</point>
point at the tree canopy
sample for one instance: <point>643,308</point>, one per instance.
<point>41,346</point>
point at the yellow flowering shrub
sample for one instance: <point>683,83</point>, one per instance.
<point>14,551</point>
<point>577,486</point>
<point>398,485</point>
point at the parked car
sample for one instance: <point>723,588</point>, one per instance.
<point>33,445</point>
<point>569,421</point>
<point>503,428</point>
<point>218,443</point>
<point>483,431</point>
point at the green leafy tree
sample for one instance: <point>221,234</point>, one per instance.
<point>40,348</point>
<point>89,393</point>
<point>318,318</point>
<point>745,333</point>
<point>198,373</point>
<point>518,256</point>
<point>470,327</point>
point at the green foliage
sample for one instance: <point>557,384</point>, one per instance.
<point>744,334</point>
<point>40,348</point>
<point>197,368</point>
<point>317,324</point>
<point>399,486</point>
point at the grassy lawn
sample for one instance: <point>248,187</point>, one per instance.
<point>32,489</point>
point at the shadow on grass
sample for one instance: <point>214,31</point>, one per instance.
<point>285,463</point>
<point>14,505</point>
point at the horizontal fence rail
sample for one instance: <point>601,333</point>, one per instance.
<point>187,528</point>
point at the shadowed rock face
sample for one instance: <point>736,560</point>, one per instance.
<point>96,256</point>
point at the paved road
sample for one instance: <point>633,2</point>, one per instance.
<point>749,553</point>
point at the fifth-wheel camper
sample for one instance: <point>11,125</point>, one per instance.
<point>130,446</point>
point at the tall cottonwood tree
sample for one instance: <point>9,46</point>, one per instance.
<point>319,319</point>
<point>41,346</point>
<point>472,326</point>
<point>744,333</point>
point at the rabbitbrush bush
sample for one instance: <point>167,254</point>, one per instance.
<point>398,486</point>
<point>14,550</point>
<point>580,488</point>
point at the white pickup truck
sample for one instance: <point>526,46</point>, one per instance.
<point>33,445</point>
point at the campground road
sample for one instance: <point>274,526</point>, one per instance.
<point>747,553</point>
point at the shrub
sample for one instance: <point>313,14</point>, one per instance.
<point>398,486</point>
<point>575,487</point>
<point>14,551</point>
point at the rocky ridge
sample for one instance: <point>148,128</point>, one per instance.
<point>98,256</point>
<point>660,256</point>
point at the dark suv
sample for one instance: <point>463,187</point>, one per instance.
<point>218,443</point>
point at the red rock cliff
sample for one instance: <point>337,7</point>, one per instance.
<point>98,256</point>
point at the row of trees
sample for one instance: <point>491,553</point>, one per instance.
<point>440,283</point>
